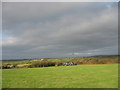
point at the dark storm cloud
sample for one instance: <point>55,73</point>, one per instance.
<point>55,29</point>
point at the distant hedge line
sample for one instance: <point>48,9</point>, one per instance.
<point>35,64</point>
<point>75,61</point>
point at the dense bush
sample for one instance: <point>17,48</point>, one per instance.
<point>14,65</point>
<point>43,64</point>
<point>7,66</point>
<point>59,63</point>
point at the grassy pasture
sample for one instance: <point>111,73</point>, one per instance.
<point>79,76</point>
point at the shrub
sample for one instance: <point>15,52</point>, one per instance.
<point>43,64</point>
<point>14,65</point>
<point>59,63</point>
<point>23,66</point>
<point>7,66</point>
<point>0,67</point>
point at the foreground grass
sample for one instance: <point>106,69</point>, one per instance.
<point>80,76</point>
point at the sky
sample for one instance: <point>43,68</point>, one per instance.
<point>59,29</point>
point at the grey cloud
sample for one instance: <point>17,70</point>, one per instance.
<point>55,29</point>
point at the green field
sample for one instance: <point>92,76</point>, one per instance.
<point>79,76</point>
